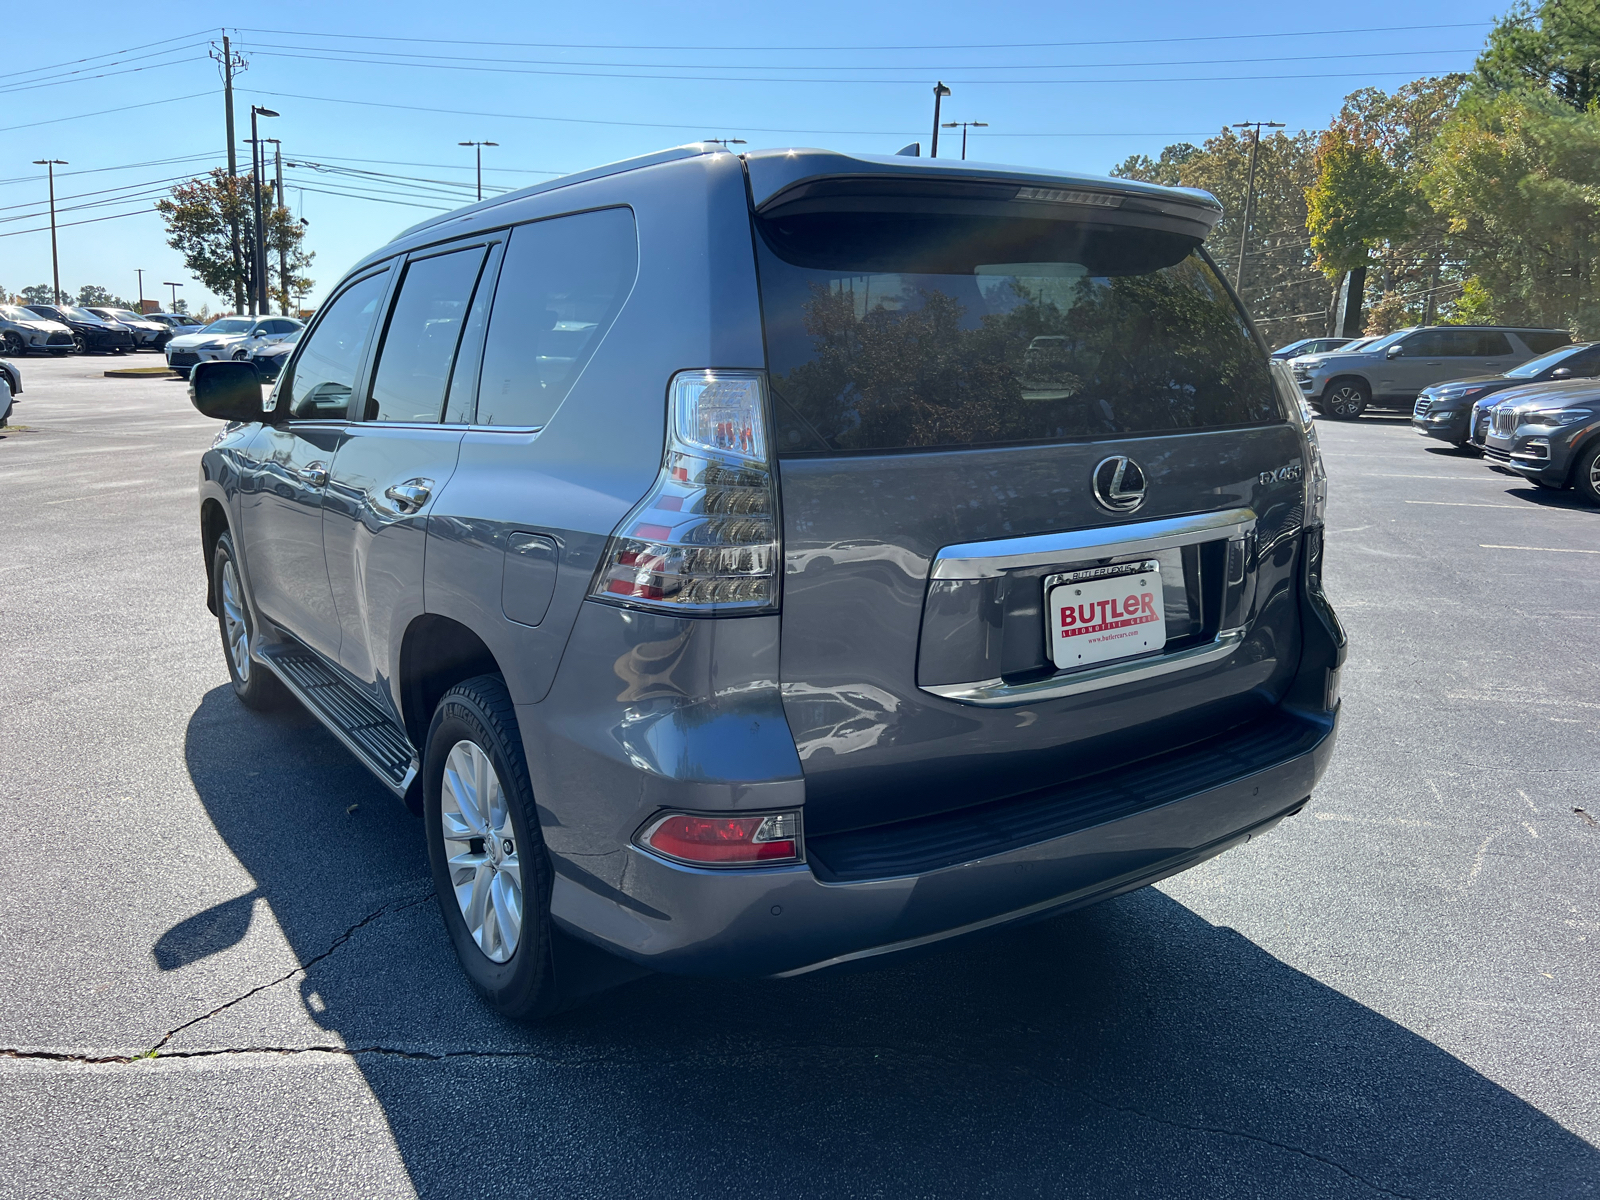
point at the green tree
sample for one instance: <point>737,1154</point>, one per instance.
<point>200,215</point>
<point>1518,177</point>
<point>93,293</point>
<point>1553,48</point>
<point>1283,291</point>
<point>39,293</point>
<point>1357,201</point>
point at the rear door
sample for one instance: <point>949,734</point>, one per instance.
<point>1495,353</point>
<point>396,460</point>
<point>984,415</point>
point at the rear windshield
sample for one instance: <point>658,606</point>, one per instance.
<point>890,331</point>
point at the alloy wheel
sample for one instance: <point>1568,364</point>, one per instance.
<point>1345,402</point>
<point>481,848</point>
<point>1594,474</point>
<point>234,622</point>
<point>14,344</point>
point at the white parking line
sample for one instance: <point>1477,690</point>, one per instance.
<point>1540,549</point>
<point>1464,504</point>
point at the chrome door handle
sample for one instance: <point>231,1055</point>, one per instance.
<point>411,495</point>
<point>316,474</point>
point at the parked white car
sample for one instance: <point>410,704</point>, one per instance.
<point>22,330</point>
<point>228,337</point>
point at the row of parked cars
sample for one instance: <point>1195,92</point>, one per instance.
<point>62,329</point>
<point>1527,399</point>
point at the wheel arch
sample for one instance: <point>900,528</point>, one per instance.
<point>213,524</point>
<point>1578,451</point>
<point>437,653</point>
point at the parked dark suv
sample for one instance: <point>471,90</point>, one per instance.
<point>1549,433</point>
<point>90,334</point>
<point>1444,411</point>
<point>754,564</point>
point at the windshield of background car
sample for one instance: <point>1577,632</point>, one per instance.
<point>230,325</point>
<point>905,331</point>
<point>81,314</point>
<point>1544,362</point>
<point>12,313</point>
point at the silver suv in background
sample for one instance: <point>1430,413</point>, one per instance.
<point>760,564</point>
<point>1394,368</point>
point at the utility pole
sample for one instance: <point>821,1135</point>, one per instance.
<point>139,271</point>
<point>964,126</point>
<point>1249,194</point>
<point>50,165</point>
<point>258,163</point>
<point>229,62</point>
<point>174,287</point>
<point>283,247</point>
<point>939,93</point>
<point>479,147</point>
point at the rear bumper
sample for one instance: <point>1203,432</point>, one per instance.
<point>789,921</point>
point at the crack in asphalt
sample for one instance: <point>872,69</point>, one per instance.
<point>1249,1137</point>
<point>344,937</point>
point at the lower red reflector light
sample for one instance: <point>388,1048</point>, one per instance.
<point>725,841</point>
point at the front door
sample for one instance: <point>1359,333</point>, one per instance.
<point>285,484</point>
<point>396,462</point>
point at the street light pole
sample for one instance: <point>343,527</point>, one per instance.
<point>478,147</point>
<point>174,287</point>
<point>939,93</point>
<point>258,298</point>
<point>1249,194</point>
<point>50,165</point>
<point>964,126</point>
<point>139,271</point>
<point>281,201</point>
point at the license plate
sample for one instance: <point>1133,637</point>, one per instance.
<point>1103,614</point>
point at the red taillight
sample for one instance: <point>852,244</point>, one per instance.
<point>725,841</point>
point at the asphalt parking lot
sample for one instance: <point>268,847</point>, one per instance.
<point>222,973</point>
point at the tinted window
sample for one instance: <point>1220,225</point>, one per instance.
<point>890,331</point>
<point>458,410</point>
<point>1541,343</point>
<point>1438,343</point>
<point>326,371</point>
<point>1493,344</point>
<point>560,288</point>
<point>420,343</point>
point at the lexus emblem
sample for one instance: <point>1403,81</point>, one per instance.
<point>1119,484</point>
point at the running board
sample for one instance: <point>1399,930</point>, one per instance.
<point>364,728</point>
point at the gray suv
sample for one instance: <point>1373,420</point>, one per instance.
<point>1393,369</point>
<point>757,564</point>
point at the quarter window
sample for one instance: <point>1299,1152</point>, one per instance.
<point>420,344</point>
<point>561,286</point>
<point>325,373</point>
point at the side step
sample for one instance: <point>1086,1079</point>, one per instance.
<point>366,730</point>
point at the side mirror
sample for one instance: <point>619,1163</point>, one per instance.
<point>1561,373</point>
<point>226,390</point>
<point>1394,351</point>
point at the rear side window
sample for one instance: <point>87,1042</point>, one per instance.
<point>561,286</point>
<point>1492,345</point>
<point>891,331</point>
<point>419,345</point>
<point>1543,342</point>
<point>326,369</point>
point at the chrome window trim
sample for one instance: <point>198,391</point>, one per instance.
<point>988,560</point>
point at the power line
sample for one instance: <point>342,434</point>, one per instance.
<point>390,162</point>
<point>200,33</point>
<point>154,162</point>
<point>407,57</point>
<point>105,111</point>
<point>1144,41</point>
<point>133,212</point>
<point>28,87</point>
<point>379,199</point>
<point>346,60</point>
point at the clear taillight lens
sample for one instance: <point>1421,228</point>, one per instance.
<point>704,540</point>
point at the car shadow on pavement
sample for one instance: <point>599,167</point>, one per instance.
<point>1132,1049</point>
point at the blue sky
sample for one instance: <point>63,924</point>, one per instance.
<point>562,87</point>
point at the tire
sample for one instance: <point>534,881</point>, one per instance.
<point>240,356</point>
<point>1346,399</point>
<point>255,685</point>
<point>12,345</point>
<point>79,345</point>
<point>1586,474</point>
<point>499,921</point>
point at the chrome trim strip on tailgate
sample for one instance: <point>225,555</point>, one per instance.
<point>987,560</point>
<point>995,693</point>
